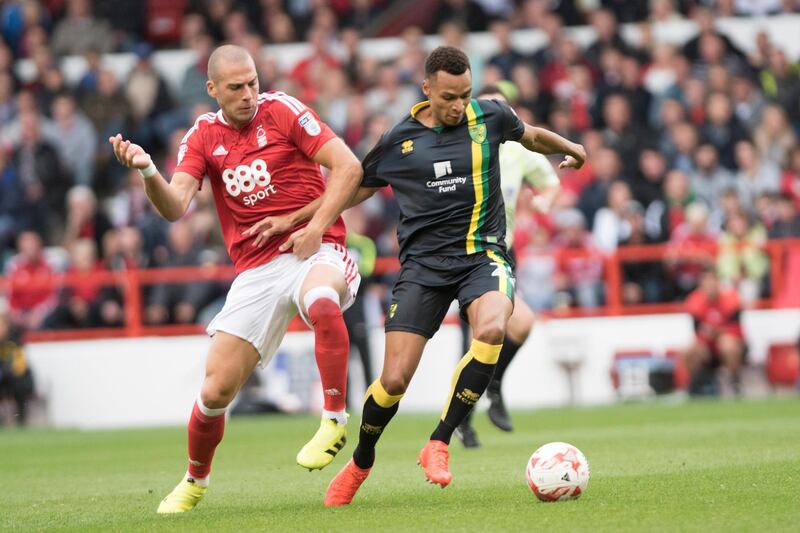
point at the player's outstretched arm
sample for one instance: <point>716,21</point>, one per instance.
<point>343,182</point>
<point>170,199</point>
<point>546,142</point>
<point>265,228</point>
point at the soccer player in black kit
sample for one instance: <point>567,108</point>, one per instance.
<point>442,164</point>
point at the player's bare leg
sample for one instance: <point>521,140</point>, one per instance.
<point>230,361</point>
<point>519,327</point>
<point>401,357</point>
<point>731,353</point>
<point>321,296</point>
<point>488,316</point>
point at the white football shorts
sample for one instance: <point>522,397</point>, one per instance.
<point>262,301</point>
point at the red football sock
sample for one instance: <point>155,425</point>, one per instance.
<point>205,433</point>
<point>332,348</point>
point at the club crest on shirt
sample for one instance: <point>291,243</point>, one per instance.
<point>261,137</point>
<point>478,133</point>
<point>407,146</point>
<point>310,124</point>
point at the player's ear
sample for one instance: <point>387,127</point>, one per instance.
<point>426,87</point>
<point>211,89</point>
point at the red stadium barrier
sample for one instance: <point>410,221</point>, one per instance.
<point>131,283</point>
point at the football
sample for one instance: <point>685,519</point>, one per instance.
<point>557,471</point>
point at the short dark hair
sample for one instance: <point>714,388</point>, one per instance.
<point>447,58</point>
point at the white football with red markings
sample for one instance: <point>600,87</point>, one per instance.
<point>557,471</point>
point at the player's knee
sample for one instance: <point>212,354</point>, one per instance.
<point>322,307</point>
<point>395,385</point>
<point>216,395</point>
<point>491,332</point>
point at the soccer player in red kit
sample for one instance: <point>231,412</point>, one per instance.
<point>262,154</point>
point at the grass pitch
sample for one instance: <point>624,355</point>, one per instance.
<point>707,466</point>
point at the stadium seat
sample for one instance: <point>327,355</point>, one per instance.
<point>783,364</point>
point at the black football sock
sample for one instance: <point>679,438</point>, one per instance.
<point>507,354</point>
<point>379,408</point>
<point>471,376</point>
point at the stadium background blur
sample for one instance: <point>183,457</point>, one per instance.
<point>692,144</point>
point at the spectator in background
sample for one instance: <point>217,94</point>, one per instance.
<point>537,269</point>
<point>709,179</point>
<point>741,261</point>
<point>592,198</point>
<point>649,183</point>
<point>16,380</point>
<point>468,13</point>
<point>681,145</point>
<point>642,281</point>
<point>668,213</point>
<point>77,139</point>
<point>41,174</point>
<point>621,134</point>
<point>579,264</point>
<point>84,219</point>
<point>781,84</point>
<point>692,248</point>
<point>389,96</point>
<point>80,306</point>
<point>748,102</point>
<point>28,274</point>
<point>719,341</point>
<point>706,22</point>
<point>774,137</point>
<point>308,71</point>
<point>755,176</point>
<point>722,129</point>
<point>790,180</point>
<point>15,208</point>
<point>8,108</point>
<point>604,23</point>
<point>787,221</point>
<point>178,302</point>
<point>80,32</point>
<point>610,226</point>
<point>147,97</point>
<point>506,57</point>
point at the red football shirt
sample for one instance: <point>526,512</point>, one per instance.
<point>263,169</point>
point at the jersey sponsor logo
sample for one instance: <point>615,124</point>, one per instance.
<point>406,147</point>
<point>245,178</point>
<point>442,168</point>
<point>261,136</point>
<point>477,133</point>
<point>219,150</point>
<point>446,185</point>
<point>310,124</point>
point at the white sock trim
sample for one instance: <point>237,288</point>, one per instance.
<point>317,293</point>
<point>207,410</point>
<point>203,482</point>
<point>339,416</point>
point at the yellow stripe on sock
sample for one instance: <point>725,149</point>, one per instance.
<point>456,374</point>
<point>381,397</point>
<point>487,354</point>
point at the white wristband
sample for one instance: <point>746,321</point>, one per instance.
<point>148,172</point>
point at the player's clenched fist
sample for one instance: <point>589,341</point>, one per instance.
<point>129,154</point>
<point>576,159</point>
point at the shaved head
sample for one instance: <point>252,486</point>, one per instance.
<point>227,55</point>
<point>233,83</point>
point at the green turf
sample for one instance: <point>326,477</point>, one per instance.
<point>709,466</point>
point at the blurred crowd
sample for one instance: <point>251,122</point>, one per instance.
<point>694,146</point>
